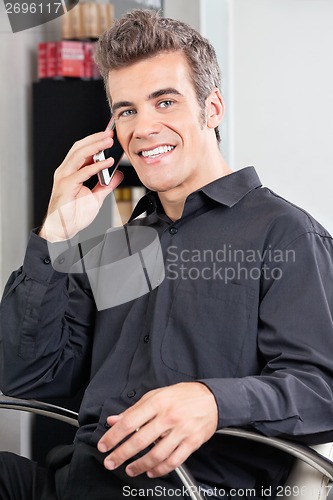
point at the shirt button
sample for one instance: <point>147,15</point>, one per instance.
<point>131,394</point>
<point>47,260</point>
<point>173,230</point>
<point>146,339</point>
<point>61,260</point>
<point>106,425</point>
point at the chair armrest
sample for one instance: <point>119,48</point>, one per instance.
<point>305,453</point>
<point>39,408</point>
<point>70,417</point>
<point>308,455</point>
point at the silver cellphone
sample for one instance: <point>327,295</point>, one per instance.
<point>116,151</point>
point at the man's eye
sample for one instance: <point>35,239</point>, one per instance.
<point>125,113</point>
<point>165,104</point>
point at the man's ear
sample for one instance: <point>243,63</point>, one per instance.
<point>214,108</point>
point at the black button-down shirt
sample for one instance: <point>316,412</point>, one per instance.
<point>245,307</point>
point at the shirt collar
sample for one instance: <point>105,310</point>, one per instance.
<point>230,189</point>
<point>227,190</point>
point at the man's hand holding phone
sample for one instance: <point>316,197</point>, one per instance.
<point>73,206</point>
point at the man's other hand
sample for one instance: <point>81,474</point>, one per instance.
<point>173,421</point>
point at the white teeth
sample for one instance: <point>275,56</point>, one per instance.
<point>157,151</point>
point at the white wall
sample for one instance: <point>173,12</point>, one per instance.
<point>189,12</point>
<point>215,25</point>
<point>281,76</point>
<point>18,70</point>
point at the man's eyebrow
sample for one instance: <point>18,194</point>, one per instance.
<point>161,92</point>
<point>121,104</point>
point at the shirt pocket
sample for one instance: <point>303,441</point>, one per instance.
<point>206,329</point>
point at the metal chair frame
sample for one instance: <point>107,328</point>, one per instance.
<point>304,453</point>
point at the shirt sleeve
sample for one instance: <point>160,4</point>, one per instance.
<point>293,394</point>
<point>46,323</point>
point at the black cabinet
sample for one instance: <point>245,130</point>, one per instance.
<point>64,111</point>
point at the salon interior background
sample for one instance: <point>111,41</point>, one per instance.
<point>276,59</point>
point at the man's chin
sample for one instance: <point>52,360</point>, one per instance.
<point>157,184</point>
<point>160,187</point>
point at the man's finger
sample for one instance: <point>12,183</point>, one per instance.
<point>124,425</point>
<point>164,452</point>
<point>90,139</point>
<point>102,191</point>
<point>82,153</point>
<point>174,460</point>
<point>140,440</point>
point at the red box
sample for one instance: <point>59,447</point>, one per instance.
<point>51,59</point>
<point>88,60</point>
<point>41,60</point>
<point>70,59</point>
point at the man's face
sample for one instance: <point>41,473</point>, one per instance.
<point>159,123</point>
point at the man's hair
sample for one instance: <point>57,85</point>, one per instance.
<point>141,34</point>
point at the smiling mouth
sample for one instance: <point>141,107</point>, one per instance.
<point>156,152</point>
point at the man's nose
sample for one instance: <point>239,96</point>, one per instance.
<point>146,125</point>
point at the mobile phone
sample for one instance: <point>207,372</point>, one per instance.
<point>116,151</point>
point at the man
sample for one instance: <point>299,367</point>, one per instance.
<point>239,332</point>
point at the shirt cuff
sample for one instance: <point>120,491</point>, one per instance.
<point>39,265</point>
<point>234,408</point>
